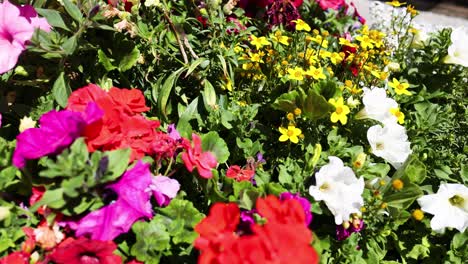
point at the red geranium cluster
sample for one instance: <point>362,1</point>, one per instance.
<point>122,125</point>
<point>219,242</point>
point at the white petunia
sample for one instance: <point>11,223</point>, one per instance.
<point>377,105</point>
<point>26,123</point>
<point>458,50</point>
<point>390,143</point>
<point>449,207</point>
<point>337,185</point>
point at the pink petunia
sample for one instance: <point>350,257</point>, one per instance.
<point>57,131</point>
<point>164,189</point>
<point>17,25</point>
<point>194,157</point>
<point>133,203</point>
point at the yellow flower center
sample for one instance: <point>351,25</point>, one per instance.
<point>418,215</point>
<point>397,184</point>
<point>339,110</point>
<point>456,200</point>
<point>290,133</point>
<point>324,187</point>
<point>379,146</point>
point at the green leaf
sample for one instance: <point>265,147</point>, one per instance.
<point>209,95</point>
<point>284,176</point>
<point>315,105</point>
<point>415,170</point>
<point>165,90</point>
<point>51,198</point>
<point>61,90</point>
<point>287,102</point>
<point>404,198</point>
<point>214,143</point>
<point>118,161</point>
<point>195,64</point>
<point>73,10</point>
<point>69,46</point>
<point>53,18</point>
<point>105,61</point>
<point>152,239</point>
<point>129,60</point>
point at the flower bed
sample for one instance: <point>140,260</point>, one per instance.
<point>250,131</point>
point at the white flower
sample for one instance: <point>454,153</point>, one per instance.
<point>377,105</point>
<point>449,207</point>
<point>390,143</point>
<point>458,50</point>
<point>26,123</point>
<point>339,188</point>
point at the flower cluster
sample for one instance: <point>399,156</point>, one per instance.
<point>220,241</point>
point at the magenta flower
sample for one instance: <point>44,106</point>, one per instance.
<point>133,203</point>
<point>17,25</point>
<point>333,4</point>
<point>303,201</point>
<point>164,189</point>
<point>57,131</point>
<point>194,157</point>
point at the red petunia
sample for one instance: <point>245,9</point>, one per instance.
<point>239,174</point>
<point>194,157</point>
<point>284,212</point>
<point>15,258</point>
<point>85,251</point>
<point>216,232</point>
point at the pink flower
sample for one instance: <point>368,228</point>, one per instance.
<point>195,157</point>
<point>164,189</point>
<point>17,25</point>
<point>58,130</point>
<point>133,203</point>
<point>333,4</point>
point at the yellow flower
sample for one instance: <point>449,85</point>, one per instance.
<point>365,41</point>
<point>292,133</point>
<point>341,110</point>
<point>227,84</point>
<point>345,42</point>
<point>301,25</point>
<point>256,57</point>
<point>398,114</point>
<point>395,3</point>
<point>316,73</point>
<point>400,88</point>
<point>278,37</point>
<point>238,49</point>
<point>417,214</point>
<point>296,74</point>
<point>336,57</point>
<point>290,116</point>
<point>297,111</point>
<point>398,184</point>
<point>259,42</point>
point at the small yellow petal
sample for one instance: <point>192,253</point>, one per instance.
<point>294,139</point>
<point>283,138</point>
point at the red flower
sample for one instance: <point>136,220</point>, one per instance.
<point>216,231</point>
<point>122,125</point>
<point>235,172</point>
<point>195,157</point>
<point>219,244</point>
<point>17,257</point>
<point>284,212</point>
<point>85,251</point>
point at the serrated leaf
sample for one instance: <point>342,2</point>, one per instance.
<point>118,163</point>
<point>105,61</point>
<point>129,60</point>
<point>214,143</point>
<point>51,198</point>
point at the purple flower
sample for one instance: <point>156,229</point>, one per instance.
<point>246,221</point>
<point>132,204</point>
<point>355,226</point>
<point>303,201</point>
<point>57,131</point>
<point>173,133</point>
<point>164,189</point>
